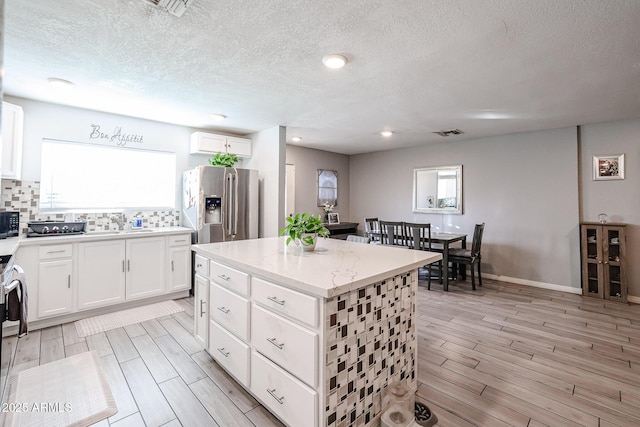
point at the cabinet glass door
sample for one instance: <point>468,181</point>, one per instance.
<point>613,244</point>
<point>592,253</point>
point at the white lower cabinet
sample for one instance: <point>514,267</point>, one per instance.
<point>145,275</point>
<point>201,310</point>
<point>287,397</point>
<point>179,263</point>
<point>230,352</point>
<point>101,273</point>
<point>266,336</point>
<point>55,295</point>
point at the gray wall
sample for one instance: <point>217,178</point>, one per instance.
<point>618,199</point>
<point>523,186</point>
<point>307,161</point>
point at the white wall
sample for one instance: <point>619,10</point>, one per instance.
<point>269,151</point>
<point>618,199</point>
<point>307,161</point>
<point>523,186</point>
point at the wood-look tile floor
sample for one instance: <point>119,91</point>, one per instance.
<point>502,355</point>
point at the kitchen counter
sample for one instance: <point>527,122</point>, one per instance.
<point>335,267</point>
<point>99,235</point>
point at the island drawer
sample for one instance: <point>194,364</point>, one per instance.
<point>55,251</point>
<point>179,240</point>
<point>230,310</point>
<point>202,265</point>
<point>289,345</point>
<point>286,301</point>
<point>230,352</point>
<point>292,401</point>
<point>229,278</point>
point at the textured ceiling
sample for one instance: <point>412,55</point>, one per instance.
<point>487,67</point>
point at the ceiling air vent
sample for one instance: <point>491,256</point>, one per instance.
<point>446,133</point>
<point>174,7</point>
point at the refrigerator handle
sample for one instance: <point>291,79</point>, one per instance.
<point>229,202</point>
<point>235,205</point>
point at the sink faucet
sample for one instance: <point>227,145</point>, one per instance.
<point>119,219</point>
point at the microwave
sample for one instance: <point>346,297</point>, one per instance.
<point>9,224</point>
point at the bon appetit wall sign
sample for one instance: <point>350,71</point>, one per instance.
<point>118,137</point>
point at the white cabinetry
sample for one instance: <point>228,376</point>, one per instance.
<point>210,143</point>
<point>55,295</point>
<point>179,262</point>
<point>201,293</point>
<point>101,273</point>
<point>145,275</point>
<point>11,150</point>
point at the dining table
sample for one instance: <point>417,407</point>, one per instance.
<point>446,239</point>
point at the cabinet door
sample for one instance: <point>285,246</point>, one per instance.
<point>54,288</point>
<point>613,243</point>
<point>200,315</point>
<point>145,267</point>
<point>179,268</point>
<point>592,258</point>
<point>12,124</point>
<point>207,143</point>
<point>101,273</point>
<point>239,146</point>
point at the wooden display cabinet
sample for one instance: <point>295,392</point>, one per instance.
<point>603,252</point>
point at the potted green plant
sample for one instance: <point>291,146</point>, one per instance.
<point>304,229</point>
<point>227,160</point>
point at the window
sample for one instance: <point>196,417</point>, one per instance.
<point>96,178</point>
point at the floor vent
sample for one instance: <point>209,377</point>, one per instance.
<point>174,7</point>
<point>446,133</point>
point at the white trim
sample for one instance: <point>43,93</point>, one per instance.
<point>552,286</point>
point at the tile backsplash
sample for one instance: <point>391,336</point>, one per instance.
<point>24,196</point>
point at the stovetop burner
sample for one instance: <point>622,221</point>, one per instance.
<point>55,228</point>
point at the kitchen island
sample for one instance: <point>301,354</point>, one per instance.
<point>315,336</point>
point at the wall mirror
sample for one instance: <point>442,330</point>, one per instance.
<point>438,190</point>
<point>327,187</point>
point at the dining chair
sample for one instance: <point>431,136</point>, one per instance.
<point>418,237</point>
<point>372,228</point>
<point>392,233</point>
<point>358,239</point>
<point>471,256</point>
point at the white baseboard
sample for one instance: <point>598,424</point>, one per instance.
<point>552,286</point>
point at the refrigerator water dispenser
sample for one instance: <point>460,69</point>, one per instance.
<point>213,209</point>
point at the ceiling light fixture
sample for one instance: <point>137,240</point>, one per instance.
<point>218,117</point>
<point>296,139</point>
<point>386,133</point>
<point>334,61</point>
<point>54,81</point>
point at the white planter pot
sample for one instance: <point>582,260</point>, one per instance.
<point>305,245</point>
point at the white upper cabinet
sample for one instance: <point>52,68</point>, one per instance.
<point>12,124</point>
<point>211,143</point>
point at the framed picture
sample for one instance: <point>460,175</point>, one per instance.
<point>608,167</point>
<point>334,218</point>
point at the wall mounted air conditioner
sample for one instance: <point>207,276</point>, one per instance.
<point>174,7</point>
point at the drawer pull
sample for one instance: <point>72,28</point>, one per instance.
<point>201,309</point>
<point>224,277</point>
<point>56,252</point>
<point>224,353</point>
<point>275,342</point>
<point>273,394</point>
<point>224,309</point>
<point>180,241</point>
<point>276,300</point>
<point>198,265</point>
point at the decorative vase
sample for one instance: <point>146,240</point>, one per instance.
<point>305,246</point>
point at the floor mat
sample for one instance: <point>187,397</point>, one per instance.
<point>106,322</point>
<point>67,392</point>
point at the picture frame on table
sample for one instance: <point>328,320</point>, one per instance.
<point>334,218</point>
<point>608,167</point>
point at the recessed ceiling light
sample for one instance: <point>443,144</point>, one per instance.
<point>386,133</point>
<point>54,81</point>
<point>296,139</point>
<point>218,117</point>
<point>334,61</point>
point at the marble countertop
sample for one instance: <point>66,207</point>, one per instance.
<point>10,245</point>
<point>335,267</point>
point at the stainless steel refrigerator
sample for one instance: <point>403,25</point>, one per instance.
<point>220,204</point>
